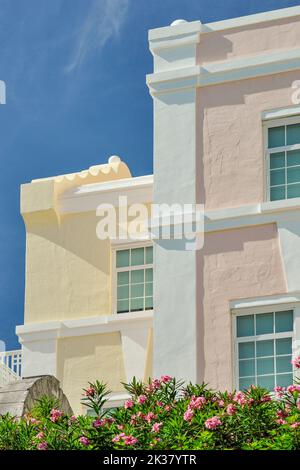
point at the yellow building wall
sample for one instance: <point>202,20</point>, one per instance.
<point>86,358</point>
<point>67,269</point>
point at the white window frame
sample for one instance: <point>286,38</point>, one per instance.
<point>115,270</point>
<point>267,124</point>
<point>256,310</point>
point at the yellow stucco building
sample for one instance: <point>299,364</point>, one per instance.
<point>71,327</point>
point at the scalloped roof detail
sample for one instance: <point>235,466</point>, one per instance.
<point>115,169</point>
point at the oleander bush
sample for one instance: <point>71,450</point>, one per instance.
<point>163,414</point>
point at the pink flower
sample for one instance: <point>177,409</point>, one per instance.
<point>72,419</point>
<point>109,420</point>
<point>40,435</point>
<point>279,391</point>
<point>155,384</point>
<point>287,408</point>
<point>42,445</point>
<point>90,392</point>
<point>128,404</point>
<point>265,398</point>
<point>281,413</point>
<point>156,427</point>
<point>298,405</point>
<point>84,441</point>
<point>220,403</point>
<point>165,379</point>
<point>167,408</point>
<point>159,403</point>
<point>240,398</point>
<point>141,399</point>
<point>130,440</point>
<point>197,402</point>
<point>55,415</point>
<point>149,417</point>
<point>295,425</point>
<point>188,415</point>
<point>118,437</point>
<point>293,388</point>
<point>98,423</point>
<point>296,362</point>
<point>133,420</point>
<point>231,409</point>
<point>280,421</point>
<point>213,423</point>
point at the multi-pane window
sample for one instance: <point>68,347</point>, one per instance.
<point>284,160</point>
<point>264,349</point>
<point>134,268</point>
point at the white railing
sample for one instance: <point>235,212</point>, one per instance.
<point>10,366</point>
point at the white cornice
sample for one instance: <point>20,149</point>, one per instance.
<point>249,215</point>
<point>88,197</point>
<point>222,72</point>
<point>83,326</point>
<point>232,23</point>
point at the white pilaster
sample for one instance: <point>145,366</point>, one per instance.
<point>175,159</point>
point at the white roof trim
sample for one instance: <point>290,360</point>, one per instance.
<point>226,71</point>
<point>232,23</point>
<point>88,197</point>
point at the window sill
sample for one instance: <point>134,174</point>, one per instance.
<point>131,316</point>
<point>283,204</point>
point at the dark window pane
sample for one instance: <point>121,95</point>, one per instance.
<point>122,258</point>
<point>246,350</point>
<point>277,160</point>
<point>245,325</point>
<point>276,194</point>
<point>293,158</point>
<point>276,137</point>
<point>293,190</point>
<point>284,321</point>
<point>264,324</point>
<point>293,134</point>
<point>277,177</point>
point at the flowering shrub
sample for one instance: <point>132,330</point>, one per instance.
<point>164,414</point>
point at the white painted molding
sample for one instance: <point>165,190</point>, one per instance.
<point>84,326</point>
<point>266,301</point>
<point>221,72</point>
<point>266,17</point>
<point>281,113</point>
<point>248,215</point>
<point>88,197</point>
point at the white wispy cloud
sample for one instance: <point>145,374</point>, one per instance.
<point>104,21</point>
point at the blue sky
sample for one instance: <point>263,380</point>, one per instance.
<point>75,76</point>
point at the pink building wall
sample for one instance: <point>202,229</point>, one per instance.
<point>236,264</point>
